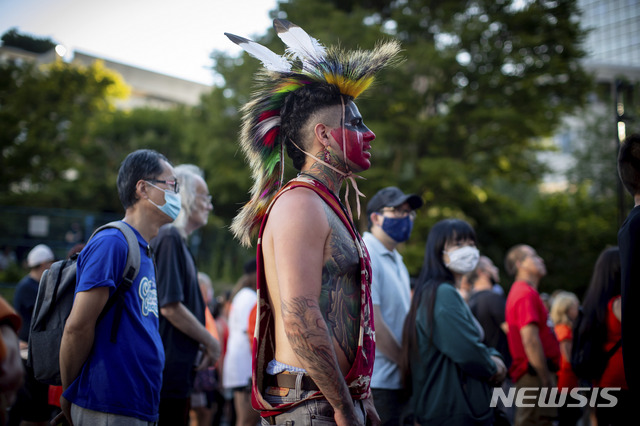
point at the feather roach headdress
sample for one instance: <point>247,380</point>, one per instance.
<point>306,62</point>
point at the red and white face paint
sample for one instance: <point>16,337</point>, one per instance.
<point>354,139</point>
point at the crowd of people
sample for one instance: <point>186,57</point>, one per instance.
<point>324,327</point>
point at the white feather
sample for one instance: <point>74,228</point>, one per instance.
<point>299,43</point>
<point>265,125</point>
<point>270,60</point>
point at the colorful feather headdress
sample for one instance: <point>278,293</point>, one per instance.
<point>306,61</point>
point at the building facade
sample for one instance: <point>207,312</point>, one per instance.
<point>148,88</point>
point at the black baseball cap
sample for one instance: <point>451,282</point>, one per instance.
<point>391,196</point>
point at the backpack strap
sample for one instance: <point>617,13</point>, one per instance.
<point>52,293</point>
<point>130,273</point>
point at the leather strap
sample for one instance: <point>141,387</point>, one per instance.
<point>287,380</point>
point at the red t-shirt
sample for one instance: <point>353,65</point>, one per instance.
<point>524,306</point>
<point>613,375</point>
<point>566,377</point>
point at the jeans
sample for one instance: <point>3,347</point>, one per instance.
<point>315,412</point>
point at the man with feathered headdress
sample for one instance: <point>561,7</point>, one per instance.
<point>313,344</point>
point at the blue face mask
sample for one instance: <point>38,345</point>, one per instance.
<point>399,229</point>
<point>171,205</point>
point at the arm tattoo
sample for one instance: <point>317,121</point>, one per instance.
<point>309,338</point>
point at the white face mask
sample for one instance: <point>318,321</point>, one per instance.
<point>463,260</point>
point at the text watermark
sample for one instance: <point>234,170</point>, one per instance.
<point>554,397</point>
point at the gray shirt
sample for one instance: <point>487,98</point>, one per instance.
<point>390,290</point>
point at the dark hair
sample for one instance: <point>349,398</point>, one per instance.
<point>605,284</point>
<point>250,266</point>
<point>296,111</point>
<point>140,164</point>
<point>629,163</point>
<point>247,280</point>
<point>433,274</point>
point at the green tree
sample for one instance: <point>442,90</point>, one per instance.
<point>463,117</point>
<point>204,135</point>
<point>13,38</point>
<point>46,115</point>
<point>459,121</point>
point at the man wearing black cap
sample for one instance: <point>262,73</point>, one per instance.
<point>391,214</point>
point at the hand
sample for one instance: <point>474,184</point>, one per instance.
<point>370,410</point>
<point>347,419</point>
<point>64,415</point>
<point>501,373</point>
<point>212,353</point>
<point>548,380</point>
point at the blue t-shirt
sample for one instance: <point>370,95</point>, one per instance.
<point>124,377</point>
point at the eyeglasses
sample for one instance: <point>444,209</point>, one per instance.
<point>173,184</point>
<point>204,197</point>
<point>400,212</point>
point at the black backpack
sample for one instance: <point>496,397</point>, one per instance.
<point>54,302</point>
<point>588,357</point>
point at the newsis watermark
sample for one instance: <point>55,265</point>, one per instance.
<point>554,397</point>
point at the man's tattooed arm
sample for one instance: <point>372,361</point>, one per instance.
<point>309,337</point>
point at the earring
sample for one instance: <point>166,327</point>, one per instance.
<point>327,155</point>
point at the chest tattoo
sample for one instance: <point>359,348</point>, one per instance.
<point>340,293</point>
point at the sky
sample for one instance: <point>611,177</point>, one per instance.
<point>173,37</point>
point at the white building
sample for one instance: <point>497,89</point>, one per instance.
<point>148,88</point>
<point>613,53</point>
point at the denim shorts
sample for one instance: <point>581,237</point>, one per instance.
<point>315,412</point>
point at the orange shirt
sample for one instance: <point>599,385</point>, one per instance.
<point>566,377</point>
<point>252,324</point>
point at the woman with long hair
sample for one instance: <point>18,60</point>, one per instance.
<point>601,320</point>
<point>446,367</point>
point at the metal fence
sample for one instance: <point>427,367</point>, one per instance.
<point>22,228</point>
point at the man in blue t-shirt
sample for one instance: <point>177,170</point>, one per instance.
<point>119,383</point>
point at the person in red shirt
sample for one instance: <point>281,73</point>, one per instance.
<point>533,346</point>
